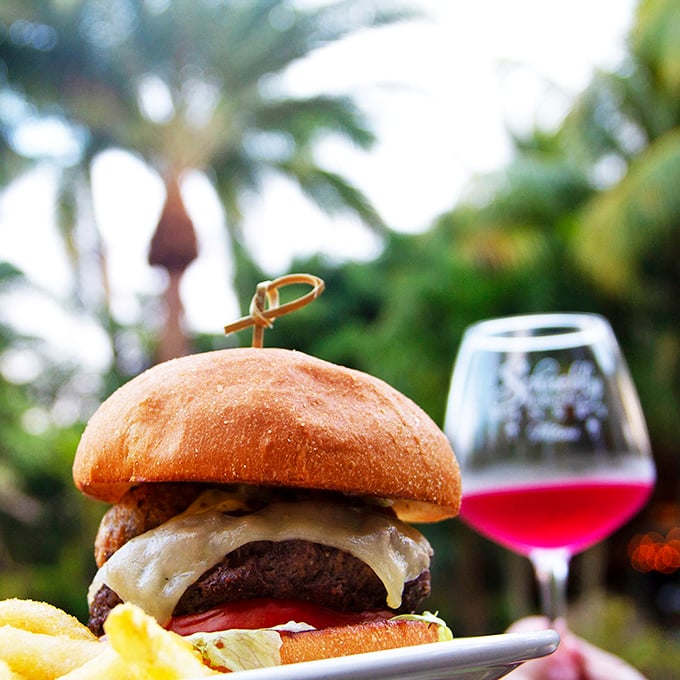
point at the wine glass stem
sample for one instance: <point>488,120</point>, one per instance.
<point>552,571</point>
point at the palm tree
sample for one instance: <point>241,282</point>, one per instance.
<point>602,188</point>
<point>626,128</point>
<point>593,207</point>
<point>192,85</point>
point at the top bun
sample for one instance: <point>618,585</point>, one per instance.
<point>271,417</point>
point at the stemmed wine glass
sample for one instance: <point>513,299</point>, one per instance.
<point>546,424</point>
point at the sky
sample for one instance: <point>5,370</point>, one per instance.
<point>441,94</point>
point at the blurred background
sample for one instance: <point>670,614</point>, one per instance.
<point>435,163</point>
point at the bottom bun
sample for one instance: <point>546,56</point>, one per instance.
<point>329,643</point>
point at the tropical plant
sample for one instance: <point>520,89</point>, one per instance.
<point>627,238</point>
<point>190,86</point>
<point>584,217</point>
<point>184,86</point>
<point>43,521</point>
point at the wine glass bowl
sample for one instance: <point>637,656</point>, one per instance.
<point>547,426</point>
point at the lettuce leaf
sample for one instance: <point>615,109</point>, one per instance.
<point>238,650</point>
<point>445,632</point>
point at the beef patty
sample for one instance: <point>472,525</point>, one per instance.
<point>293,569</point>
<point>287,570</point>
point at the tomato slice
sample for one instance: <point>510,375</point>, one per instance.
<point>268,612</point>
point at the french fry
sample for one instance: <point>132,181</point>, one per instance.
<point>41,642</point>
<point>6,673</point>
<point>109,664</point>
<point>149,651</point>
<point>40,656</point>
<point>41,617</point>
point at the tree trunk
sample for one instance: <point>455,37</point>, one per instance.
<point>173,247</point>
<point>174,341</point>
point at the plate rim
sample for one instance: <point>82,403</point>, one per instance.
<point>503,650</point>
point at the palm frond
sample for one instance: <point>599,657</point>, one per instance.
<point>307,119</point>
<point>535,188</point>
<point>655,39</point>
<point>618,227</point>
<point>333,193</point>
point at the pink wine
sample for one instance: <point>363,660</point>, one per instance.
<point>572,515</point>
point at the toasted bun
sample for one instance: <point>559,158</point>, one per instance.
<point>269,417</point>
<point>329,643</point>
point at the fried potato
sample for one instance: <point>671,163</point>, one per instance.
<point>40,656</point>
<point>149,651</point>
<point>41,642</point>
<point>41,617</point>
<point>109,664</point>
<point>6,673</point>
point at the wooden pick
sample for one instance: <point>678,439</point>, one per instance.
<point>264,305</point>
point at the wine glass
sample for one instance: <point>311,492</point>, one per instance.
<point>546,424</point>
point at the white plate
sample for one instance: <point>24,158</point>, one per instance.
<point>487,657</point>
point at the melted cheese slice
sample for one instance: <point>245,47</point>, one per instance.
<point>154,570</point>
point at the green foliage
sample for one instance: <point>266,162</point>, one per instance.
<point>622,227</point>
<point>86,64</point>
<point>43,520</point>
<point>584,217</point>
<point>217,66</point>
<point>656,43</point>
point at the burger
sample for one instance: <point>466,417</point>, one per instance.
<point>263,499</point>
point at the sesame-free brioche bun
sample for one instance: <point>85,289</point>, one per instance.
<point>270,417</point>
